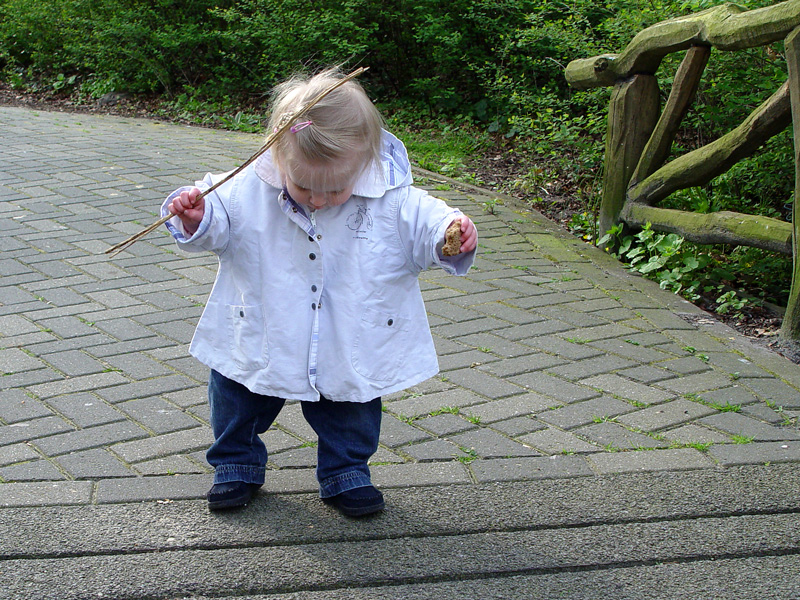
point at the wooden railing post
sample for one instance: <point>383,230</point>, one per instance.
<point>790,328</point>
<point>632,116</point>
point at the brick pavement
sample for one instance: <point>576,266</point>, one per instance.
<point>556,363</point>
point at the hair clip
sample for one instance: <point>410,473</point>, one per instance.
<point>298,126</point>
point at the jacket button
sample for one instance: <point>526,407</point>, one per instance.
<point>389,322</point>
<point>241,313</point>
<point>310,239</point>
<point>319,236</point>
<point>313,288</point>
<point>312,256</point>
<point>313,306</point>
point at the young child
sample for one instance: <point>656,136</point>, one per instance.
<point>320,242</point>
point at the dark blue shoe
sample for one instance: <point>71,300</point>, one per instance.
<point>231,494</point>
<point>357,502</point>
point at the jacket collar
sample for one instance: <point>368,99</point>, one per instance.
<point>393,172</point>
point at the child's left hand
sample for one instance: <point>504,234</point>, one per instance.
<point>469,235</point>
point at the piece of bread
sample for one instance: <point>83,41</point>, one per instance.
<point>452,239</point>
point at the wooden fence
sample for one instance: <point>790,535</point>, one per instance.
<point>637,176</point>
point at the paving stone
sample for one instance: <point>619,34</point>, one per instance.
<point>756,453</point>
<point>624,388</point>
<point>735,394</point>
<point>763,412</point>
<point>556,441</point>
<point>668,414</point>
<point>77,384</point>
<point>86,410</point>
<point>444,424</point>
<point>141,489</point>
<point>14,360</point>
<point>515,406</point>
<point>554,387</point>
<point>583,413</point>
<point>523,333</point>
<point>511,314</point>
<point>613,436</point>
<point>189,397</point>
<point>385,457</point>
<point>16,453</point>
<point>35,470</point>
<point>434,450</point>
<point>97,463</point>
<point>602,332</point>
<point>179,442</point>
<point>470,358</point>
<point>518,426</point>
<point>74,363</point>
<point>626,349</point>
<point>291,418</point>
<point>680,459</point>
<point>564,349</point>
<point>479,325</point>
<point>695,434</point>
<point>700,383</point>
<point>419,474</point>
<point>452,312</point>
<point>17,406</point>
<point>731,362</point>
<point>530,468</point>
<point>91,437</point>
<point>571,317</point>
<point>138,366</point>
<point>685,366</point>
<point>51,493</point>
<point>490,444</point>
<point>535,361</point>
<point>646,374</point>
<point>171,465</point>
<point>305,457</point>
<point>418,404</point>
<point>395,433</point>
<point>698,340</point>
<point>495,345</point>
<point>157,415</point>
<point>746,427</point>
<point>32,430</point>
<point>145,388</point>
<point>277,440</point>
<point>67,327</point>
<point>591,366</point>
<point>774,391</point>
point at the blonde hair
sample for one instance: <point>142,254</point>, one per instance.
<point>344,126</point>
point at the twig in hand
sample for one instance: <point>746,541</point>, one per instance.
<point>285,123</point>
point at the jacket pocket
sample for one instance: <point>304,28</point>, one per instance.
<point>248,341</point>
<point>381,345</point>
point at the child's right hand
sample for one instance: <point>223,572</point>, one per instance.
<point>189,209</point>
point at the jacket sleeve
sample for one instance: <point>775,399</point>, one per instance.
<point>213,233</point>
<point>422,221</point>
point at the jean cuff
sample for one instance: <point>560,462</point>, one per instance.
<point>246,473</point>
<point>333,486</point>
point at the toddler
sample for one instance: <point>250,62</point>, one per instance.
<point>320,242</point>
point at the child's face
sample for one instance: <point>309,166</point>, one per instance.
<point>322,186</point>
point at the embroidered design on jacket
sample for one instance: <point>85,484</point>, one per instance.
<point>360,221</point>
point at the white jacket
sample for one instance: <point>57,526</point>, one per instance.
<point>325,305</point>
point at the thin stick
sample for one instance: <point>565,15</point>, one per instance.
<point>285,123</point>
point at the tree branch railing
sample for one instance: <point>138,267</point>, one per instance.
<point>640,135</point>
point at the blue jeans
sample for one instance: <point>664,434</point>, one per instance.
<point>347,434</point>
